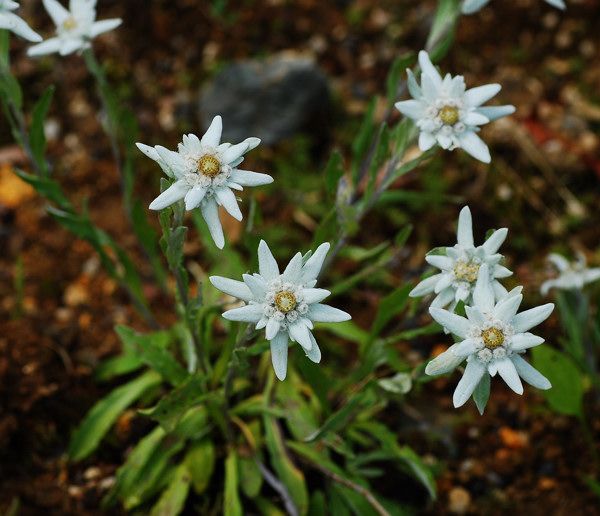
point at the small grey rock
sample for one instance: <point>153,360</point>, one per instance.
<point>272,99</point>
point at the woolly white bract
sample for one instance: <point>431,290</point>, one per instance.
<point>206,174</point>
<point>10,21</point>
<point>75,27</point>
<point>285,304</point>
<point>472,6</point>
<point>447,113</point>
<point>571,276</point>
<point>462,265</point>
<point>493,337</point>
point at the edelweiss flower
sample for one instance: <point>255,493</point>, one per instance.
<point>447,114</point>
<point>472,6</point>
<point>462,265</point>
<point>572,276</point>
<point>494,337</point>
<point>10,21</point>
<point>206,172</point>
<point>75,28</point>
<point>286,304</point>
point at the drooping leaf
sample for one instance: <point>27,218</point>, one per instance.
<point>105,412</point>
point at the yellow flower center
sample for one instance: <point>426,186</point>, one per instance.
<point>209,165</point>
<point>448,115</point>
<point>285,301</point>
<point>492,337</point>
<point>70,23</point>
<point>466,271</point>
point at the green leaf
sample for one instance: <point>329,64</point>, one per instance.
<point>4,48</point>
<point>566,394</point>
<point>105,412</point>
<point>481,395</point>
<point>333,172</point>
<point>339,419</point>
<point>129,474</point>
<point>172,500</point>
<point>286,470</point>
<point>200,462</point>
<point>346,330</point>
<point>389,307</point>
<point>37,137</point>
<point>116,366</point>
<point>250,476</point>
<point>47,188</point>
<point>442,30</point>
<point>232,506</point>
<point>152,350</point>
<point>393,78</point>
<point>11,89</point>
<point>362,142</point>
<point>404,456</point>
<point>170,409</point>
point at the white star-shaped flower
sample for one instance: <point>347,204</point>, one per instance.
<point>448,114</point>
<point>10,21</point>
<point>75,28</point>
<point>572,276</point>
<point>462,265</point>
<point>472,6</point>
<point>206,174</point>
<point>494,336</point>
<point>285,304</point>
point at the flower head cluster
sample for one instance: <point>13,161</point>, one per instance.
<point>493,338</point>
<point>571,276</point>
<point>447,114</point>
<point>75,27</point>
<point>10,21</point>
<point>461,266</point>
<point>285,304</point>
<point>206,175</point>
<point>472,6</point>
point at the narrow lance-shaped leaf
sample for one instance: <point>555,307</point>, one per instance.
<point>172,500</point>
<point>105,412</point>
<point>232,506</point>
<point>37,138</point>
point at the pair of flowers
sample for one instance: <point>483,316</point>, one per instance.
<point>285,304</point>
<point>75,27</point>
<point>493,336</point>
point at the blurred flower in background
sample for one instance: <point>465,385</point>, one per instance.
<point>448,114</point>
<point>571,276</point>
<point>10,21</point>
<point>472,6</point>
<point>75,28</point>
